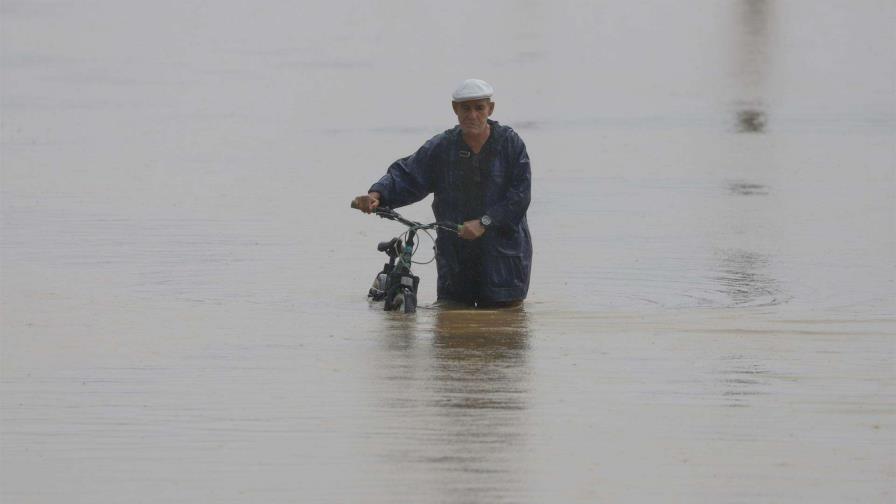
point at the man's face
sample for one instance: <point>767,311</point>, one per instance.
<point>473,115</point>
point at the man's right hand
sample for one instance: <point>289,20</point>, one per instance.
<point>367,203</point>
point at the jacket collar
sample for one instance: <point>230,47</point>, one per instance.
<point>499,133</point>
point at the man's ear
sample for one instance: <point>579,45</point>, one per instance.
<point>454,107</point>
<point>491,108</point>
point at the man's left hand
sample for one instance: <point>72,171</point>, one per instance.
<point>471,230</point>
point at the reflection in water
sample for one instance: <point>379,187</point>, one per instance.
<point>751,61</point>
<point>399,334</point>
<point>480,387</point>
<point>742,277</point>
<point>480,357</point>
<point>741,379</point>
<point>454,410</point>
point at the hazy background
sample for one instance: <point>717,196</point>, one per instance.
<point>182,283</point>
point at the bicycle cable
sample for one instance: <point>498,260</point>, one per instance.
<point>418,245</point>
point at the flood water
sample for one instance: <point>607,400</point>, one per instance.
<point>711,315</point>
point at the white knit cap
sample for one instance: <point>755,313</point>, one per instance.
<point>472,89</point>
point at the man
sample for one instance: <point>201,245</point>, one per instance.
<point>479,174</point>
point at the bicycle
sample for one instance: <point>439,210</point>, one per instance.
<point>395,285</point>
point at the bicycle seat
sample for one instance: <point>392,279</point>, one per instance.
<point>391,247</point>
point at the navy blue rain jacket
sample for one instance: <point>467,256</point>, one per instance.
<point>507,245</point>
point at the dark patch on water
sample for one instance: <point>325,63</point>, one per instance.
<point>751,121</point>
<point>743,279</point>
<point>737,391</point>
<point>741,188</point>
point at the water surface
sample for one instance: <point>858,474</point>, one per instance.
<point>182,283</point>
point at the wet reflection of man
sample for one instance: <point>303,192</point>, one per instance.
<point>480,356</point>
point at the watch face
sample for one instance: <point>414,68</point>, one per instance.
<point>486,220</point>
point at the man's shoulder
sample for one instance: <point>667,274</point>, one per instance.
<point>448,135</point>
<point>443,138</point>
<point>506,135</point>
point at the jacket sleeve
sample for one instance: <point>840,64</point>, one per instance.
<point>511,209</point>
<point>409,179</point>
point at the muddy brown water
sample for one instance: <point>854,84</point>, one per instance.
<point>711,317</point>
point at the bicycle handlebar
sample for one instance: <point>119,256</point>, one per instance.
<point>388,213</point>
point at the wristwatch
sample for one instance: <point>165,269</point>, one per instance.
<point>485,220</point>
